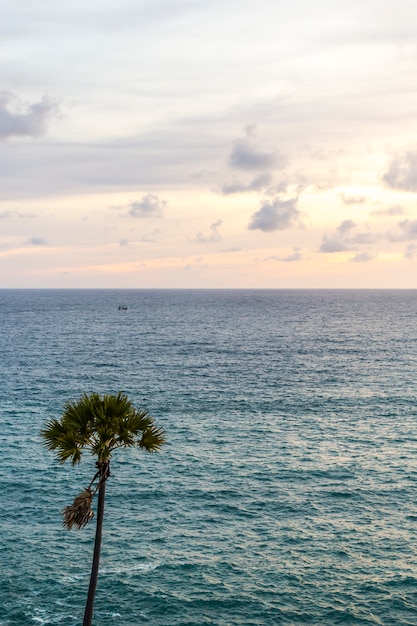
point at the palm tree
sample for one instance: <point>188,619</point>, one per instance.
<point>99,424</point>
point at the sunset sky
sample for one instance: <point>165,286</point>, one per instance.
<point>208,143</point>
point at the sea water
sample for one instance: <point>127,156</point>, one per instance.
<point>286,493</point>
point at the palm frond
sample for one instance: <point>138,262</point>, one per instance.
<point>52,433</point>
<point>139,421</point>
<point>79,417</point>
<point>64,442</point>
<point>152,439</point>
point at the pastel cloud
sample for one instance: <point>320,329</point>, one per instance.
<point>351,199</point>
<point>213,237</point>
<point>247,155</point>
<point>24,120</point>
<point>36,241</point>
<point>390,211</point>
<point>344,239</point>
<point>362,257</point>
<point>410,252</point>
<point>333,243</point>
<point>11,215</point>
<point>402,172</point>
<point>276,215</point>
<point>407,230</point>
<point>149,206</point>
<point>295,256</point>
<point>257,184</point>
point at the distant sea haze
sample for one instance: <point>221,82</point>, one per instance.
<point>286,493</point>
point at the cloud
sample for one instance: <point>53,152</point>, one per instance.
<point>246,155</point>
<point>214,236</point>
<point>391,211</point>
<point>123,243</point>
<point>283,186</point>
<point>345,227</point>
<point>29,120</point>
<point>6,215</point>
<point>402,172</point>
<point>410,252</point>
<point>291,258</point>
<point>363,257</point>
<point>257,184</point>
<point>343,239</point>
<point>333,243</point>
<point>348,199</point>
<point>150,206</point>
<point>362,239</point>
<point>275,215</point>
<point>407,229</point>
<point>36,241</point>
<point>233,249</point>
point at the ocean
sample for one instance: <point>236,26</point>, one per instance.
<point>286,493</point>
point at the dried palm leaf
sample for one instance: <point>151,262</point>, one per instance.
<point>79,513</point>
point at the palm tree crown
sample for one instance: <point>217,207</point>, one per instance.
<point>100,425</point>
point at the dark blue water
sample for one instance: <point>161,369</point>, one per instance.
<point>287,491</point>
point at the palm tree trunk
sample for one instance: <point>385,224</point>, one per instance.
<point>88,614</point>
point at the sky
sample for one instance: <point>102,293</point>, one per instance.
<point>208,144</point>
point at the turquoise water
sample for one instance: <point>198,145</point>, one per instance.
<point>286,493</point>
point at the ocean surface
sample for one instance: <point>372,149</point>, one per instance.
<point>287,491</point>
